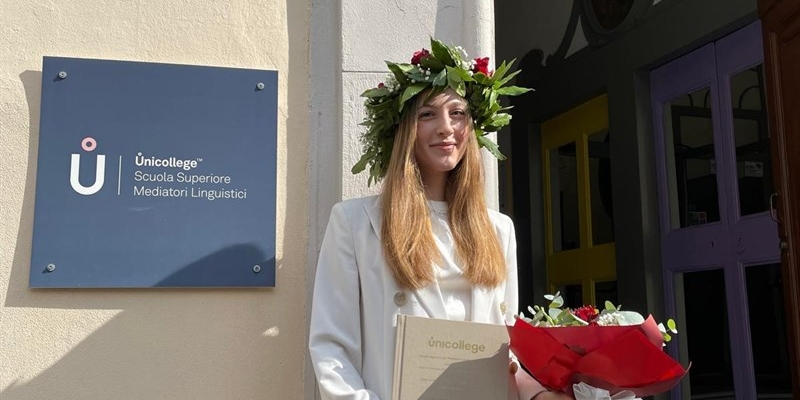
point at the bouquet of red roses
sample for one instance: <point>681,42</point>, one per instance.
<point>601,353</point>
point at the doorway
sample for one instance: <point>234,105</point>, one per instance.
<point>579,224</point>
<point>720,247</point>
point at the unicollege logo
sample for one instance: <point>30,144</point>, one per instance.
<point>88,144</point>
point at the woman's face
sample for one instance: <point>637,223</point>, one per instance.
<point>443,126</point>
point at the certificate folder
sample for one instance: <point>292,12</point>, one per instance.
<point>441,359</point>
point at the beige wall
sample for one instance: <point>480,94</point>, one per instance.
<point>152,344</point>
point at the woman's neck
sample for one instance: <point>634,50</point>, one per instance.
<point>434,185</point>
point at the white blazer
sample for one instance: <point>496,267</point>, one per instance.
<point>356,302</point>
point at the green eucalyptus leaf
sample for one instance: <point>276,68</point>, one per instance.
<point>579,320</point>
<point>491,146</point>
<point>375,92</point>
<point>461,89</point>
<point>482,79</point>
<point>629,318</point>
<point>501,70</point>
<point>361,165</point>
<point>512,91</point>
<point>505,108</point>
<point>399,72</point>
<point>463,74</point>
<point>500,82</point>
<point>441,52</point>
<point>432,63</point>
<point>610,306</point>
<point>455,82</point>
<point>453,77</point>
<point>501,119</point>
<point>411,91</point>
<point>492,99</point>
<point>671,325</point>
<point>440,79</point>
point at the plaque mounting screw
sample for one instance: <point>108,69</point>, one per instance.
<point>256,268</point>
<point>62,75</point>
<point>51,267</point>
<point>260,86</point>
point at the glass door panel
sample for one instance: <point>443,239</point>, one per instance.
<point>768,331</point>
<point>603,291</point>
<point>606,291</point>
<point>572,295</point>
<point>692,172</point>
<point>693,213</point>
<point>600,188</point>
<point>751,137</point>
<point>564,200</point>
<point>704,334</point>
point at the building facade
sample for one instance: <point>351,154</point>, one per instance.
<point>601,188</point>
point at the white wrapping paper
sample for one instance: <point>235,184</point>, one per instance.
<point>583,391</point>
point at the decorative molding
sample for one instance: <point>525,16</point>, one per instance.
<point>604,20</point>
<point>584,21</point>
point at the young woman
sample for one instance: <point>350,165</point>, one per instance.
<point>428,245</point>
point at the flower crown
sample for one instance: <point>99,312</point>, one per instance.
<point>440,68</point>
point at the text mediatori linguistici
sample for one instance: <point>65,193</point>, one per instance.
<point>196,192</point>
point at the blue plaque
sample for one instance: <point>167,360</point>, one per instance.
<point>155,175</point>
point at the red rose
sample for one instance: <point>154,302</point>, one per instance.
<point>482,65</point>
<point>380,85</point>
<point>586,313</point>
<point>419,55</point>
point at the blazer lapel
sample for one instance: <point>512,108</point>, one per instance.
<point>429,297</point>
<point>373,210</point>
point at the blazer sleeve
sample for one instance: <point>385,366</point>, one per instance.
<point>527,386</point>
<point>335,329</point>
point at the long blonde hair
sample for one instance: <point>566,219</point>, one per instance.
<point>406,230</point>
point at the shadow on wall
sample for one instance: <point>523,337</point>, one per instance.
<point>165,343</point>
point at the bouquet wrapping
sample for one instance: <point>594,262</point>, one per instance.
<point>612,358</point>
<point>582,391</point>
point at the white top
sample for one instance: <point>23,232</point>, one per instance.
<point>456,291</point>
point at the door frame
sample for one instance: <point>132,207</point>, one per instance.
<point>781,38</point>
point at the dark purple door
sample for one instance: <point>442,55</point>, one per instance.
<point>720,250</point>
